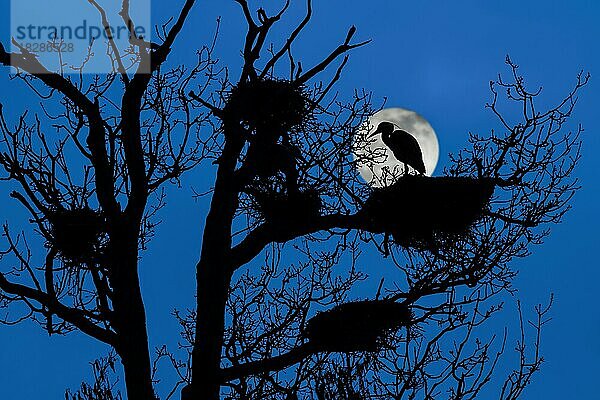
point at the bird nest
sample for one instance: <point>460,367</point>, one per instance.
<point>285,208</point>
<point>77,234</point>
<point>356,326</point>
<point>419,210</point>
<point>268,103</point>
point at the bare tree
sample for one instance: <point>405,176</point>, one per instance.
<point>278,313</point>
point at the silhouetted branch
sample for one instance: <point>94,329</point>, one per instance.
<point>71,315</point>
<point>96,139</point>
<point>267,233</point>
<point>159,55</point>
<point>341,49</point>
<point>111,41</point>
<point>289,41</point>
<point>103,387</point>
<point>275,363</point>
<point>215,110</point>
<point>256,36</point>
<point>133,39</point>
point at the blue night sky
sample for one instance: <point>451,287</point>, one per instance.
<point>435,57</point>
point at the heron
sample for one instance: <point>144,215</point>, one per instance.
<point>404,146</point>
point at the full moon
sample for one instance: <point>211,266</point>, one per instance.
<point>375,161</point>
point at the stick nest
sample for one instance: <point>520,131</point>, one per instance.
<point>419,210</point>
<point>268,103</point>
<point>77,234</point>
<point>356,326</point>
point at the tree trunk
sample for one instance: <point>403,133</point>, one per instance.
<point>213,276</point>
<point>212,296</point>
<point>136,365</point>
<point>130,316</point>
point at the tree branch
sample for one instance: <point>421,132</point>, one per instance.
<point>276,363</point>
<point>341,49</point>
<point>288,43</point>
<point>131,115</point>
<point>71,315</point>
<point>269,232</point>
<point>160,55</point>
<point>96,138</point>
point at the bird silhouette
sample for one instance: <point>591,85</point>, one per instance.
<point>404,146</point>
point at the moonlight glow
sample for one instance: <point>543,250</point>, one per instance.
<point>375,161</point>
